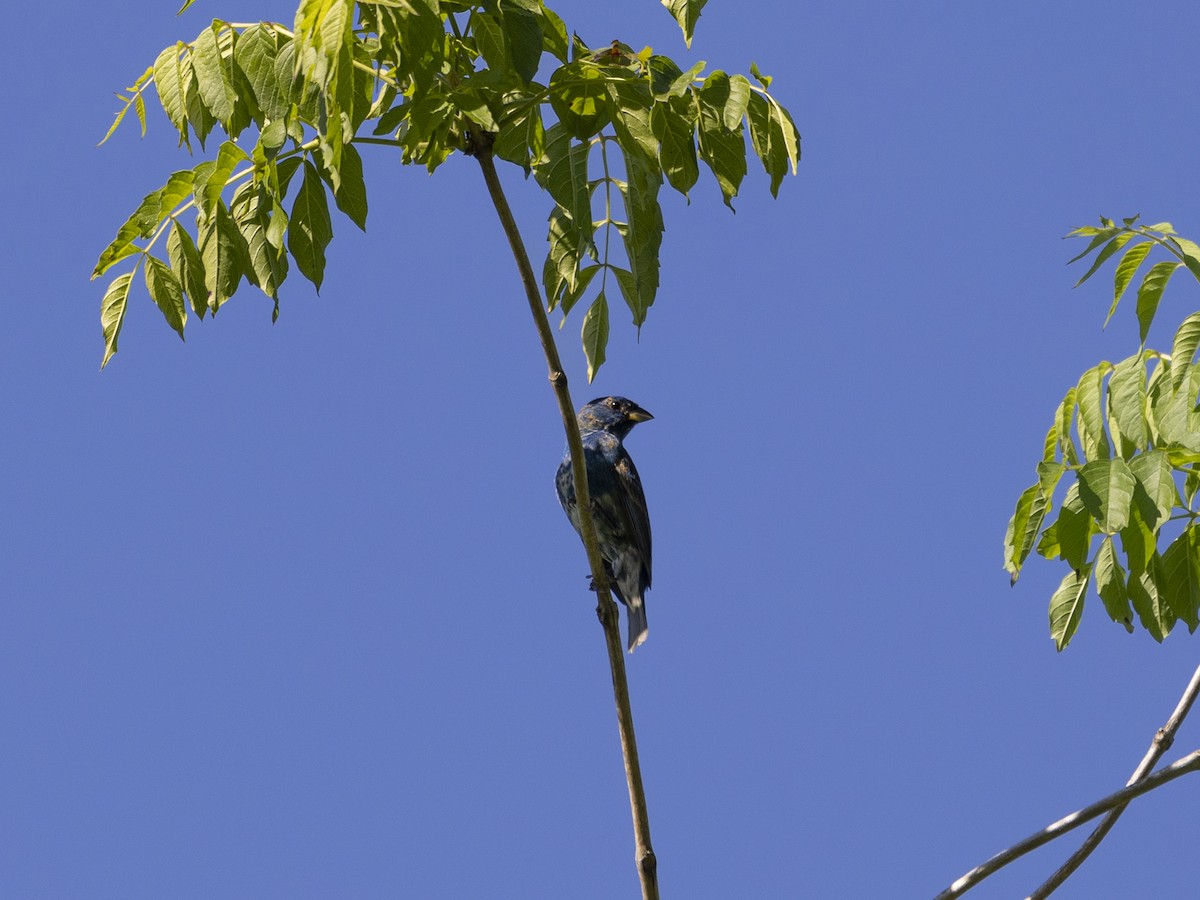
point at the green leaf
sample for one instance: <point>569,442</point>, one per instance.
<point>642,235</point>
<point>188,267</point>
<point>664,75</point>
<point>1098,236</point>
<point>686,13</point>
<point>213,75</point>
<point>1126,269</point>
<point>767,140</point>
<point>1171,411</point>
<point>555,40</point>
<point>738,101</point>
<point>564,175</point>
<point>595,335</point>
<point>1150,293</point>
<point>255,54</point>
<point>1023,528</point>
<point>579,97</point>
<point>674,125</point>
<point>631,105</point>
<point>1063,417</point>
<point>200,118</point>
<point>1106,490</point>
<point>1110,584</point>
<point>1191,484</point>
<point>310,230</point>
<point>568,250</point>
<point>1088,395</point>
<point>1138,541</point>
<point>1066,607</point>
<point>171,85</point>
<point>524,36</point>
<point>1155,493</point>
<point>267,265</point>
<point>1179,576</point>
<point>351,194</point>
<point>1187,339</point>
<point>722,148</point>
<point>472,103</point>
<point>1074,528</point>
<point>574,292</point>
<point>1191,254</point>
<point>491,41</point>
<point>112,313</point>
<point>223,252</point>
<point>1117,242</point>
<point>208,190</point>
<point>1048,546</point>
<point>1127,399</point>
<point>166,292</point>
<point>1148,602</point>
<point>522,137</point>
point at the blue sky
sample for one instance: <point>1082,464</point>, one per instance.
<point>292,611</point>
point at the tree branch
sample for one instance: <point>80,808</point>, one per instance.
<point>606,610</point>
<point>1189,763</point>
<point>1163,739</point>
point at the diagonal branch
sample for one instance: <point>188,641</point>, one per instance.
<point>1189,763</point>
<point>1163,739</point>
<point>647,864</point>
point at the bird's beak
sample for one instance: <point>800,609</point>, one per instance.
<point>637,414</point>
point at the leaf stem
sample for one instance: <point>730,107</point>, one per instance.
<point>647,864</point>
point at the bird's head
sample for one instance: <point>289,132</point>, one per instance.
<point>616,415</point>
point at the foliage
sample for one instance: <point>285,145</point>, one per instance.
<point>429,78</point>
<point>1129,433</point>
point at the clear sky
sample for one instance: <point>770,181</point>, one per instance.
<point>292,610</point>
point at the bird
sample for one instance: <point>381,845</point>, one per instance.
<point>617,501</point>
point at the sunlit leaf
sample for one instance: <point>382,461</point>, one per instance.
<point>674,125</point>
<point>1150,293</point>
<point>1126,269</point>
<point>1179,576</point>
<point>595,335</point>
<point>1110,584</point>
<point>166,292</point>
<point>1127,399</point>
<point>1066,606</point>
<point>310,229</point>
<point>1074,528</point>
<point>579,97</point>
<point>686,13</point>
<point>1106,490</point>
<point>112,313</point>
<point>188,267</point>
<point>1023,528</point>
<point>223,251</point>
<point>1183,351</point>
<point>1088,395</point>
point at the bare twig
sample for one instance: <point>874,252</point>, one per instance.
<point>1189,763</point>
<point>1163,739</point>
<point>647,865</point>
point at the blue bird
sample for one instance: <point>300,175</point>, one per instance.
<point>618,504</point>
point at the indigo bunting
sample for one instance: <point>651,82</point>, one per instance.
<point>618,504</point>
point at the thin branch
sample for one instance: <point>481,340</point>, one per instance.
<point>647,864</point>
<point>1189,763</point>
<point>1163,739</point>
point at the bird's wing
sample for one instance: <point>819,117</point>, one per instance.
<point>635,506</point>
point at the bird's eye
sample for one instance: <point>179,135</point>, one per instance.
<point>612,404</point>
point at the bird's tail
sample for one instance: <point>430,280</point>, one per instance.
<point>638,629</point>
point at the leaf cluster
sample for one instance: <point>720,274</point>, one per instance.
<point>428,78</point>
<point>1129,433</point>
